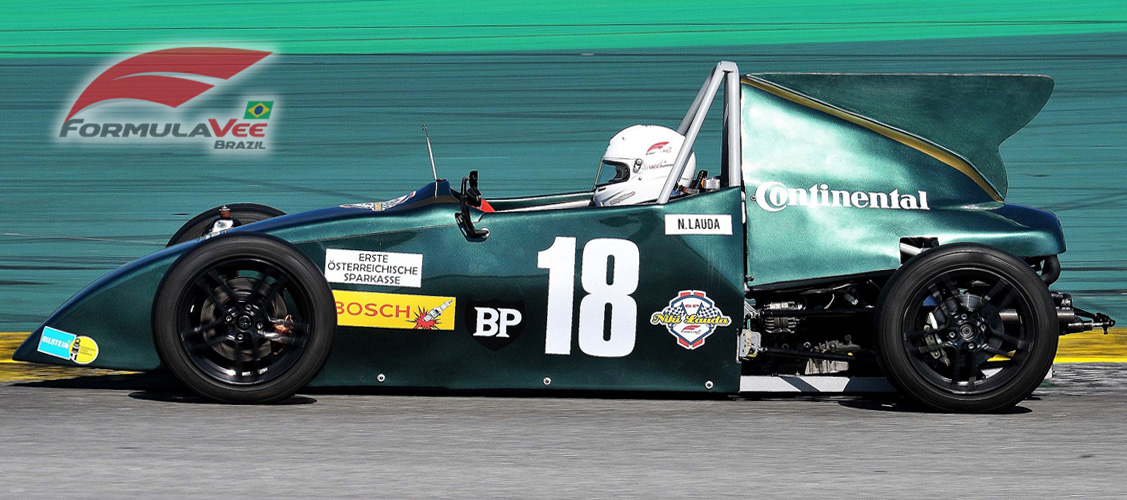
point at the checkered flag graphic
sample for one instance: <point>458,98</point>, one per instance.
<point>708,312</point>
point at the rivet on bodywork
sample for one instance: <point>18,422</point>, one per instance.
<point>708,385</point>
<point>380,378</point>
<point>547,380</point>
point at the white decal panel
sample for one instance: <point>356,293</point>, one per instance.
<point>698,224</point>
<point>358,267</point>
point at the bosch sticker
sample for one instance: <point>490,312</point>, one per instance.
<point>691,317</point>
<point>391,310</point>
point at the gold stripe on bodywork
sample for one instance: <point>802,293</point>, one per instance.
<point>912,141</point>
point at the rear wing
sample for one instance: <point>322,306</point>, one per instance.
<point>964,115</point>
<point>961,119</point>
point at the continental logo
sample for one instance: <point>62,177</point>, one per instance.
<point>774,196</point>
<point>392,310</point>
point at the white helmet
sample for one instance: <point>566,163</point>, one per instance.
<point>640,159</point>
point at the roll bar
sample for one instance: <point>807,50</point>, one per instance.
<point>728,73</point>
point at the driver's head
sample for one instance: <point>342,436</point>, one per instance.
<point>636,164</point>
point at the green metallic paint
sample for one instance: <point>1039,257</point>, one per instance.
<point>971,115</point>
<point>504,267</point>
<point>801,148</point>
<point>115,311</point>
<point>534,201</point>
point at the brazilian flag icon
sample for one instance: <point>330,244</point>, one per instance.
<point>258,110</point>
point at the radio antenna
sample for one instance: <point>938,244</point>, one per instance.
<point>433,171</point>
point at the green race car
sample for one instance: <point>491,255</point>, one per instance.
<point>854,237</point>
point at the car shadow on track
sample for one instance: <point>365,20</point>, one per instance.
<point>188,397</point>
<point>132,381</point>
<point>908,406</point>
<point>157,386</point>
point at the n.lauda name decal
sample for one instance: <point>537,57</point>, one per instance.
<point>774,196</point>
<point>170,77</point>
<point>718,224</point>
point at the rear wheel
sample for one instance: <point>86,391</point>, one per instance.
<point>244,318</point>
<point>240,213</point>
<point>966,328</point>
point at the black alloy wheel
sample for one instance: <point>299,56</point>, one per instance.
<point>966,328</point>
<point>244,318</point>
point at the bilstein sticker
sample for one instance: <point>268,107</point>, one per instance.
<point>82,350</point>
<point>357,267</point>
<point>392,310</point>
<point>691,317</point>
<point>698,224</point>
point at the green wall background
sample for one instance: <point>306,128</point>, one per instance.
<point>528,95</point>
<point>427,26</point>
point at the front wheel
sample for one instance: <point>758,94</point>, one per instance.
<point>966,328</point>
<point>244,318</point>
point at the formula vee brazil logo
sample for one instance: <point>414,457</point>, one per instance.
<point>171,78</point>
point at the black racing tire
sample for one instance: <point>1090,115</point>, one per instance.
<point>966,328</point>
<point>244,318</point>
<point>241,214</point>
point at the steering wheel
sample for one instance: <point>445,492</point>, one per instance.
<point>471,196</point>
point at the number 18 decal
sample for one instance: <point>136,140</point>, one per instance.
<point>559,260</point>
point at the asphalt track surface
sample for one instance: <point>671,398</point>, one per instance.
<point>141,436</point>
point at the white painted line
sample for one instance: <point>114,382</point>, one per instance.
<point>813,384</point>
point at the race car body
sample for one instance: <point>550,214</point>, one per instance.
<point>845,234</point>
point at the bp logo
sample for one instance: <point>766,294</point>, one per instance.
<point>691,317</point>
<point>494,323</point>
